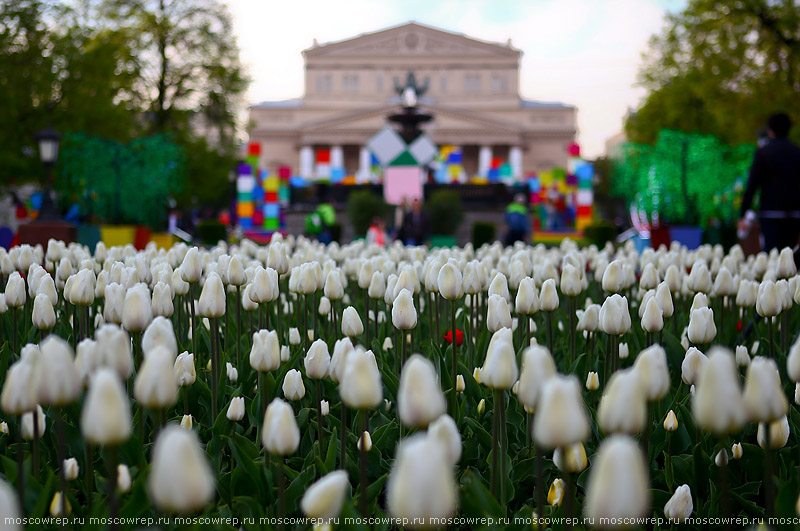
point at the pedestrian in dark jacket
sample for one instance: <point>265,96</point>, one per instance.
<point>776,173</point>
<point>415,225</point>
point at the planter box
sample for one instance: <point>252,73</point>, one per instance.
<point>89,235</point>
<point>690,236</point>
<point>443,241</point>
<point>163,240</point>
<point>118,235</point>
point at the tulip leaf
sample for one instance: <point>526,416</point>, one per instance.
<point>483,436</point>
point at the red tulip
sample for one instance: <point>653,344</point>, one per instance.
<point>449,337</point>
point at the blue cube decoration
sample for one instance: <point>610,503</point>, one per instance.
<point>271,210</point>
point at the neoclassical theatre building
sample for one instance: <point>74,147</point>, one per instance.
<point>472,91</point>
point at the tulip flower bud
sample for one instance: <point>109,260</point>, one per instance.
<point>59,383</point>
<point>691,365</point>
<point>445,431</point>
<point>71,468</point>
<point>324,307</point>
<point>360,386</point>
<point>15,291</point>
<point>27,424</point>
<point>235,273</point>
<point>277,258</point>
<point>651,365</point>
<point>764,400</point>
<point>548,298</point>
<point>746,295</point>
<point>294,336</point>
<point>700,300</point>
<point>778,434</point>
<point>570,281</point>
<point>499,286</point>
<point>192,266</point>
<point>82,293</point>
<point>555,494</point>
<point>186,422</point>
<point>612,277</point>
<point>106,416</point>
<point>742,356</point>
<point>527,301</point>
<point>614,316</point>
<point>460,385</point>
<point>623,407</point>
<point>160,333</point>
<point>231,372</point>
<point>717,404</point>
<point>114,348</point>
<point>680,505</point>
<point>618,486</point>
<point>404,315</point>
<point>736,451</point>
<point>671,422</point>
<point>265,354</point>
<point>162,300</point>
<point>377,286</point>
<point>652,320</point>
<point>592,381</point>
<point>236,409</point>
<point>155,385</point>
<point>341,349</point>
<point>498,315</point>
<point>537,367</point>
<point>333,286</point>
<point>137,311</point>
<point>786,266</point>
<point>481,406</point>
<point>450,282</point>
<point>114,303</point>
<point>306,280</point>
<point>58,504</point>
<point>561,417</point>
<point>264,287</point>
<point>724,285</point>
<point>4,428</point>
<point>180,479</point>
<point>589,319</point>
<point>317,361</point>
<point>420,400</point>
<point>212,297</point>
<point>43,317</point>
<point>500,369</point>
<point>769,302</point>
<point>293,388</point>
<point>700,278</point>
<point>123,478</point>
<point>702,329</point>
<point>324,498</point>
<point>351,323</point>
<point>571,458</point>
<point>721,459</point>
<point>364,442</point>
<point>280,434</point>
<point>421,485</point>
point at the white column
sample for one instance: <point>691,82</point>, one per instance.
<point>337,157</point>
<point>306,162</point>
<point>484,160</point>
<point>364,160</point>
<point>515,159</point>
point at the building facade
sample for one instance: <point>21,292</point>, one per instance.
<point>472,91</point>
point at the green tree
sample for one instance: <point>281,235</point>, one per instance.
<point>721,67</point>
<point>191,81</point>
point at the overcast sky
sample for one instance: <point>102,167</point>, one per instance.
<point>582,52</point>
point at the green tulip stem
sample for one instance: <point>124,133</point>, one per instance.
<point>314,313</point>
<point>214,367</point>
<point>60,452</point>
<point>377,335</point>
<point>343,440</point>
<point>769,498</point>
<point>549,317</point>
<point>572,303</point>
<point>15,332</point>
<point>281,493</point>
<point>111,463</point>
<point>569,499</point>
<point>499,446</point>
<point>366,318</point>
<point>539,484</point>
<point>20,466</point>
<point>724,496</point>
<point>317,384</point>
<point>454,355</point>
<point>304,332</point>
<point>771,333</point>
<point>194,317</point>
<point>437,298</point>
<point>185,393</point>
<point>362,465</point>
<point>90,477</point>
<point>35,443</point>
<point>527,324</point>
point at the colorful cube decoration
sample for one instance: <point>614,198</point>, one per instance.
<point>260,193</point>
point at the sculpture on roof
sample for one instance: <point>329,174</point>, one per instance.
<point>411,91</point>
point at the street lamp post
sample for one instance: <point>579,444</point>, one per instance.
<point>48,140</point>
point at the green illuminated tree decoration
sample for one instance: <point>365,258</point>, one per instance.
<point>119,183</point>
<point>675,180</point>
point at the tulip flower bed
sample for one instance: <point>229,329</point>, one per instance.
<point>295,385</point>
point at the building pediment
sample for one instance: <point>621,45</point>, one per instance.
<point>412,39</point>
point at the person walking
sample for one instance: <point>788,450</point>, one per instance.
<point>415,225</point>
<point>776,173</point>
<point>517,220</point>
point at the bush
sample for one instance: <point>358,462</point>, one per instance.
<point>599,233</point>
<point>444,212</point>
<point>362,207</point>
<point>482,232</point>
<point>209,232</point>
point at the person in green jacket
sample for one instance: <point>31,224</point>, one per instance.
<point>517,220</point>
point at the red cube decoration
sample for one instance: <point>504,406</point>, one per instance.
<point>254,148</point>
<point>323,156</point>
<point>284,172</point>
